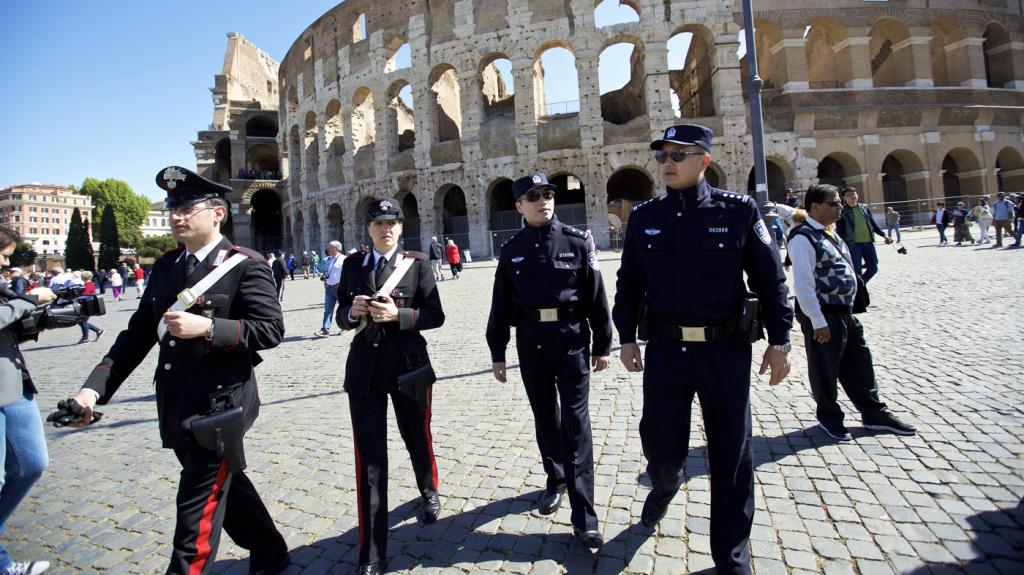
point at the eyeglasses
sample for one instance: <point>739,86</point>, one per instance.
<point>833,203</point>
<point>677,155</point>
<point>535,195</point>
<point>188,210</point>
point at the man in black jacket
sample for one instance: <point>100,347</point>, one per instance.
<point>858,230</point>
<point>389,311</point>
<point>208,350</point>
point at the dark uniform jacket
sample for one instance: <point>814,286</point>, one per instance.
<point>551,266</point>
<point>247,316</point>
<point>376,365</point>
<point>686,253</point>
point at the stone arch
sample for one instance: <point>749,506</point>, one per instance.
<point>335,223</point>
<point>565,86</point>
<point>892,63</point>
<point>998,52</point>
<point>261,127</point>
<point>715,176</point>
<point>398,54</point>
<point>1010,170</point>
<point>496,91</point>
<point>294,156</point>
<point>262,160</point>
<point>334,143</point>
<point>311,148</point>
<point>690,68</point>
<point>265,220</point>
<point>612,12</point>
<point>363,123</point>
<point>948,50</point>
<point>444,83</point>
<point>837,168</point>
<point>779,172</point>
<point>401,116</point>
<point>627,187</point>
<point>504,219</point>
<point>293,102</point>
<point>361,221</point>
<point>623,104</point>
<point>961,174</point>
<point>904,183</point>
<point>571,199</point>
<point>222,161</point>
<point>299,231</point>
<point>770,66</point>
<point>315,237</point>
<point>411,224</point>
<point>359,28</point>
<point>451,215</point>
<point>828,65</point>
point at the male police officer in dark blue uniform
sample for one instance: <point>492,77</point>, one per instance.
<point>683,261</point>
<point>549,286</point>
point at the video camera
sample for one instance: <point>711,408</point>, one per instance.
<point>70,308</point>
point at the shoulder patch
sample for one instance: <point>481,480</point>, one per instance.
<point>414,255</point>
<point>250,253</point>
<point>762,232</point>
<point>645,203</point>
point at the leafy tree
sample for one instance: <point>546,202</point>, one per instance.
<point>129,208</point>
<point>77,254</point>
<point>23,256</point>
<point>110,248</point>
<point>156,246</point>
<point>129,237</point>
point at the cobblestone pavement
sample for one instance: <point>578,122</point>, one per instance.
<point>947,342</point>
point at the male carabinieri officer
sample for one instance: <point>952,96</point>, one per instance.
<point>208,350</point>
<point>683,260</point>
<point>548,285</point>
<point>390,296</point>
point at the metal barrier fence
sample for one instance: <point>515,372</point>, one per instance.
<point>918,213</point>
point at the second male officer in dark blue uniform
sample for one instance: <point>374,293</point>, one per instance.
<point>549,286</point>
<point>683,261</point>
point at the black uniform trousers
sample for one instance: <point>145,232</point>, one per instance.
<point>552,370</point>
<point>211,497</point>
<point>718,372</point>
<point>370,435</point>
<point>846,358</point>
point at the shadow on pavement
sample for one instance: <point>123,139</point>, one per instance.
<point>997,546</point>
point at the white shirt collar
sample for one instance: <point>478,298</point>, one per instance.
<point>814,223</point>
<point>203,251</point>
<point>390,255</point>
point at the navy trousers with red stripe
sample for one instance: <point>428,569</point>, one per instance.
<point>211,497</point>
<point>369,427</point>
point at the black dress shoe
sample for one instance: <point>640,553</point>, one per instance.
<point>371,569</point>
<point>431,508</point>
<point>551,500</point>
<point>653,512</point>
<point>590,539</point>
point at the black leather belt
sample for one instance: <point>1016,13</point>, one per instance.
<point>700,333</point>
<point>547,314</point>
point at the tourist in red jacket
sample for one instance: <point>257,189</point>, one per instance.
<point>454,260</point>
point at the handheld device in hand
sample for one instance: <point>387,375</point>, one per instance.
<point>69,411</point>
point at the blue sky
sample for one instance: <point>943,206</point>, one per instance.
<point>118,89</point>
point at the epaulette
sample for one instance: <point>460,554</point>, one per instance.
<point>644,203</point>
<point>414,255</point>
<point>250,253</point>
<point>733,197</point>
<point>571,231</point>
<point>508,241</point>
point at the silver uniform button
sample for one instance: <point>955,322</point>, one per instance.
<point>538,346</point>
<point>172,343</point>
<point>684,348</point>
<point>536,245</point>
<point>376,345</point>
<point>220,387</point>
<point>721,245</point>
<point>679,214</point>
<point>167,366</point>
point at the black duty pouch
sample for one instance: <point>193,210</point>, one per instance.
<point>749,325</point>
<point>862,300</point>
<point>644,321</point>
<point>416,383</point>
<point>221,431</point>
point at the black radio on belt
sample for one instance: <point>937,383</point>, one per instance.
<point>643,324</point>
<point>750,327</point>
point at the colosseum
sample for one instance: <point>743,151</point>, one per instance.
<point>908,100</point>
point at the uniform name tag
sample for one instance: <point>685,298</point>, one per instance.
<point>565,256</point>
<point>718,230</point>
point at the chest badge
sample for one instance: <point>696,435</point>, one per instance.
<point>652,231</point>
<point>517,259</point>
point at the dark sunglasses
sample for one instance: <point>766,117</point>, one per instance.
<point>833,203</point>
<point>677,155</point>
<point>535,195</point>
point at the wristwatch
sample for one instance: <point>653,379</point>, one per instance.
<point>210,332</point>
<point>784,348</point>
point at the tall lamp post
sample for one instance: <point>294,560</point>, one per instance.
<point>755,83</point>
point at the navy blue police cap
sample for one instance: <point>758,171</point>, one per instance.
<point>529,183</point>
<point>185,187</point>
<point>686,134</point>
<point>383,209</point>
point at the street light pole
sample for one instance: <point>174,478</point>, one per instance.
<point>755,83</point>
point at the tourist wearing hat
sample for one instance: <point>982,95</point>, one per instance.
<point>208,339</point>
<point>961,229</point>
<point>389,296</point>
<point>681,287</point>
<point>548,285</point>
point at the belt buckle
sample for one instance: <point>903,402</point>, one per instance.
<point>548,314</point>
<point>692,333</point>
<point>187,298</point>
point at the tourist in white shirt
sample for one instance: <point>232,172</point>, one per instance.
<point>331,278</point>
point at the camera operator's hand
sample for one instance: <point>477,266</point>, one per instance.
<point>87,399</point>
<point>43,294</point>
<point>185,325</point>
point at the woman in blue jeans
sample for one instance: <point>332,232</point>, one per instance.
<point>23,456</point>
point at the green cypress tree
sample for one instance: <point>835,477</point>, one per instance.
<point>110,248</point>
<point>76,251</point>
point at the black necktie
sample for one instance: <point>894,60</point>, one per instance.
<point>382,263</point>
<point>190,264</point>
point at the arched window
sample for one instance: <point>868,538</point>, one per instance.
<point>555,83</point>
<point>621,82</point>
